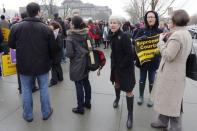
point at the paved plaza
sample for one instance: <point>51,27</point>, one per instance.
<point>102,116</point>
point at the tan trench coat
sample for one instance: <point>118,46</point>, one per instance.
<point>170,79</point>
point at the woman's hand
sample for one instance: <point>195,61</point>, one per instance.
<point>162,36</point>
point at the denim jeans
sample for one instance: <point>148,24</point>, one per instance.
<point>81,86</point>
<point>26,84</point>
<point>143,75</point>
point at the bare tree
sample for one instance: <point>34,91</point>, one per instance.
<point>49,6</point>
<point>137,8</point>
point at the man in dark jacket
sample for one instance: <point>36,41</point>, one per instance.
<point>34,44</point>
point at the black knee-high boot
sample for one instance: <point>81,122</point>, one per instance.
<point>116,101</point>
<point>130,112</point>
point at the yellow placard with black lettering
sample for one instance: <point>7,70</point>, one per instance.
<point>146,48</point>
<point>6,33</point>
<point>8,68</point>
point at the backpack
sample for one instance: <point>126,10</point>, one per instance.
<point>99,60</point>
<point>96,59</point>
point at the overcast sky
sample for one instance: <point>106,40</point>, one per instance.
<point>117,6</point>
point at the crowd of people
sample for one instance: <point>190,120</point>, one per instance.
<point>42,46</point>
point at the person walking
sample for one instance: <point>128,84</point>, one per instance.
<point>122,66</point>
<point>77,51</point>
<point>35,48</point>
<point>170,82</point>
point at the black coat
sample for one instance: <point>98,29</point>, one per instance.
<point>1,39</point>
<point>154,63</point>
<point>35,46</point>
<point>122,61</point>
<point>58,57</point>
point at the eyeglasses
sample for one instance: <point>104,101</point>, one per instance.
<point>150,17</point>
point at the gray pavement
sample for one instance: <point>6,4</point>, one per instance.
<point>102,116</point>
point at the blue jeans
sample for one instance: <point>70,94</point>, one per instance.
<point>143,75</point>
<point>26,84</point>
<point>81,86</point>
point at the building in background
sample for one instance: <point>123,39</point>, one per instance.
<point>87,10</point>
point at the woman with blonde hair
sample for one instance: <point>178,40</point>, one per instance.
<point>122,66</point>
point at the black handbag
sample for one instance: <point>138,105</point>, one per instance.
<point>191,65</point>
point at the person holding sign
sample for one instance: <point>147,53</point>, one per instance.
<point>77,51</point>
<point>169,86</point>
<point>4,25</point>
<point>122,66</point>
<point>146,49</point>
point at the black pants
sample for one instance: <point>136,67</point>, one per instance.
<point>81,87</point>
<point>57,74</point>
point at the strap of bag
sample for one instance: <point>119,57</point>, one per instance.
<point>193,49</point>
<point>91,52</point>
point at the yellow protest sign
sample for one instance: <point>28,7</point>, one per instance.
<point>8,68</point>
<point>6,33</point>
<point>146,48</point>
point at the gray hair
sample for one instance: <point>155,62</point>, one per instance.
<point>117,18</point>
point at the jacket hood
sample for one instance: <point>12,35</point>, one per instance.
<point>156,22</point>
<point>83,31</point>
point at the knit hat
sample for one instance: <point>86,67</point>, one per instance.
<point>77,22</point>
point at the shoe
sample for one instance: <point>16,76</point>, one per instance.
<point>60,80</point>
<point>28,120</point>
<point>150,103</point>
<point>87,105</point>
<point>35,89</point>
<point>115,104</point>
<point>78,111</point>
<point>52,84</point>
<point>140,100</point>
<point>46,118</point>
<point>158,125</point>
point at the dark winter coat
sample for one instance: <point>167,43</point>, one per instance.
<point>154,63</point>
<point>147,32</point>
<point>35,46</point>
<point>122,61</point>
<point>1,36</point>
<point>57,58</point>
<point>76,50</point>
<point>63,26</point>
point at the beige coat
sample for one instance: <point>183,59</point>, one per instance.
<point>170,79</point>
